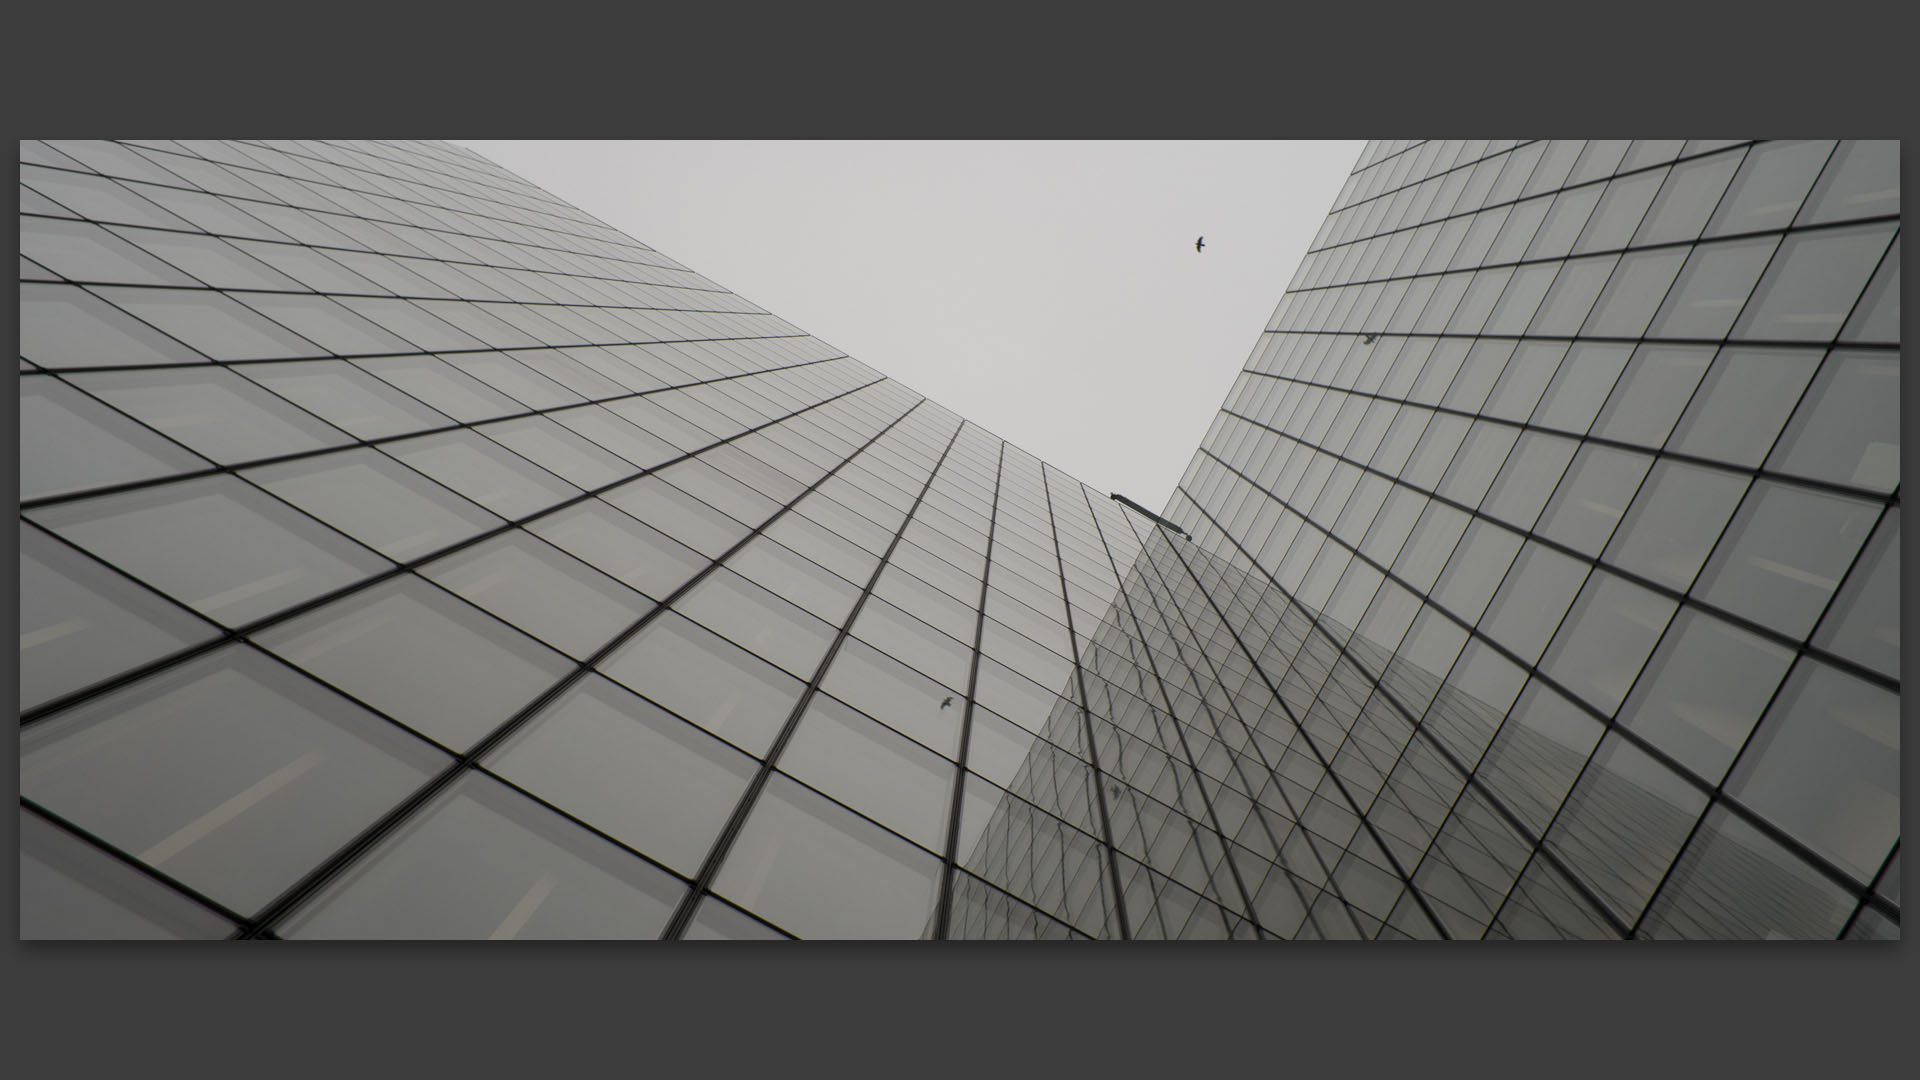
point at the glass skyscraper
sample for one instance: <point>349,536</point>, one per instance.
<point>405,553</point>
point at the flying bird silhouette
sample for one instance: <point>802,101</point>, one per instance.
<point>1368,339</point>
<point>1200,243</point>
<point>947,702</point>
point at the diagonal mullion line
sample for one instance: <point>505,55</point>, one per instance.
<point>314,879</point>
<point>1084,705</point>
<point>1759,629</point>
<point>1271,768</point>
<point>1420,729</point>
<point>216,469</point>
<point>944,916</point>
<point>1123,598</point>
<point>1813,859</point>
<point>716,855</point>
<point>47,708</point>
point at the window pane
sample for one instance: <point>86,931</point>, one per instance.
<point>1584,379</point>
<point>559,451</point>
<point>1564,222</point>
<point>717,920</point>
<point>1712,288</point>
<point>1540,749</point>
<point>222,547</point>
<point>210,259</point>
<point>1862,180</point>
<point>1743,401</point>
<point>1527,374</point>
<point>1770,186</point>
<point>82,251</point>
<point>212,323</point>
<point>70,890</point>
<point>897,695</point>
<point>377,501</point>
<point>1812,284</point>
<point>1605,638</point>
<point>1658,383</point>
<point>1572,296</point>
<point>484,471</point>
<point>759,620</point>
<point>708,680</point>
<point>1674,522</point>
<point>1592,496</point>
<point>64,326</point>
<point>678,514</point>
<point>1703,691</point>
<point>442,386</point>
<point>1847,428</point>
<point>1619,213</point>
<point>213,411</point>
<point>80,622</point>
<point>1825,766</point>
<point>1623,825</point>
<point>232,774</point>
<point>635,553</point>
<point>422,657</point>
<point>1687,198</point>
<point>1531,601</point>
<point>872,769</point>
<point>1528,478</point>
<point>1633,293</point>
<point>70,442</point>
<point>542,590</point>
<point>1736,883</point>
<point>1864,623</point>
<point>1784,554</point>
<point>1877,316</point>
<point>629,769</point>
<point>822,872</point>
<point>484,862</point>
<point>347,397</point>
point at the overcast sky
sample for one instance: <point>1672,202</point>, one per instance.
<point>1048,291</point>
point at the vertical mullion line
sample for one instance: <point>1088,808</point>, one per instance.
<point>372,834</point>
<point>1418,730</point>
<point>1295,818</point>
<point>1086,719</point>
<point>944,915</point>
<point>1186,751</point>
<point>1326,764</point>
<point>722,844</point>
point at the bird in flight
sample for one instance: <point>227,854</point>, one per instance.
<point>1368,339</point>
<point>1200,243</point>
<point>947,702</point>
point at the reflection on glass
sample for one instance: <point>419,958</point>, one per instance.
<point>870,768</point>
<point>823,872</point>
<point>631,770</point>
<point>1825,766</point>
<point>1703,691</point>
<point>1784,555</point>
<point>231,773</point>
<point>218,545</point>
<point>708,680</point>
<point>483,862</point>
<point>70,890</point>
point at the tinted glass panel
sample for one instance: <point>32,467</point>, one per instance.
<point>232,774</point>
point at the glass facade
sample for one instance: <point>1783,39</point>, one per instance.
<point>407,554</point>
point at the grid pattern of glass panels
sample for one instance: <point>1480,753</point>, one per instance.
<point>1575,466</point>
<point>405,553</point>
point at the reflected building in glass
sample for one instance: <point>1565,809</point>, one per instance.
<point>405,553</point>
